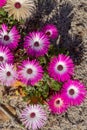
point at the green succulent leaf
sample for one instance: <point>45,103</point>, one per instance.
<point>54,85</point>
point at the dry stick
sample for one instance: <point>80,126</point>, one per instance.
<point>66,115</point>
<point>9,113</point>
<point>58,40</point>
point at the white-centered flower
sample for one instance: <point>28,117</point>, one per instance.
<point>20,9</point>
<point>33,117</point>
<point>8,74</point>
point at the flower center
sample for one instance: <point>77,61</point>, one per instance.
<point>17,5</point>
<point>32,115</point>
<point>36,44</point>
<point>48,33</point>
<point>58,102</point>
<point>1,58</point>
<point>71,92</point>
<point>8,73</point>
<point>6,37</point>
<point>29,71</point>
<point>60,67</point>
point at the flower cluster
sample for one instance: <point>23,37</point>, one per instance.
<point>30,71</point>
<point>73,92</point>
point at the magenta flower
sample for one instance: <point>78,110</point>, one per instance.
<point>5,55</point>
<point>9,38</point>
<point>57,104</point>
<point>33,117</point>
<point>2,3</point>
<point>61,68</point>
<point>51,31</point>
<point>8,74</point>
<point>74,92</point>
<point>36,44</point>
<point>30,72</point>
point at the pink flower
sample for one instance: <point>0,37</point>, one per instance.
<point>74,91</point>
<point>36,44</point>
<point>33,117</point>
<point>5,55</point>
<point>61,68</point>
<point>30,72</point>
<point>8,74</point>
<point>51,31</point>
<point>57,104</point>
<point>9,38</point>
<point>2,3</point>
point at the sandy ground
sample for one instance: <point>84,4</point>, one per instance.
<point>71,19</point>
